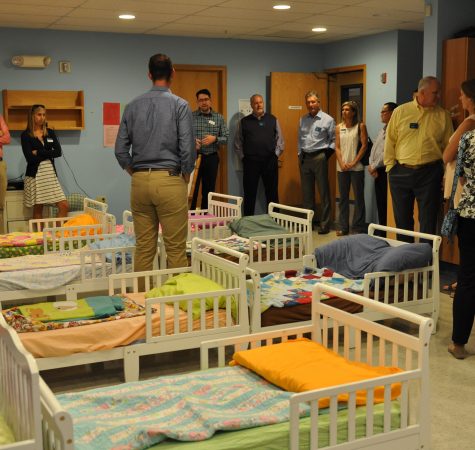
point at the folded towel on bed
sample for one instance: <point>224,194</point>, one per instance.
<point>302,365</point>
<point>356,255</point>
<point>83,309</point>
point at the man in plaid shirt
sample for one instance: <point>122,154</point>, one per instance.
<point>210,132</point>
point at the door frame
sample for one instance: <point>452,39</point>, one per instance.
<point>222,108</point>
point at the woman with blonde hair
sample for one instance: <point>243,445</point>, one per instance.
<point>351,140</point>
<point>40,146</point>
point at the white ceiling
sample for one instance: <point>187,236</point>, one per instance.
<point>236,19</point>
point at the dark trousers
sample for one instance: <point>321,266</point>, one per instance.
<point>423,185</point>
<point>463,309</point>
<point>381,190</point>
<point>345,180</point>
<point>253,170</point>
<point>209,172</point>
<point>314,170</point>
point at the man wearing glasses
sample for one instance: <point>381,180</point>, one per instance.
<point>210,132</point>
<point>376,166</point>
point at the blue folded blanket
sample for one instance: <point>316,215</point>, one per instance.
<point>121,240</point>
<point>356,255</point>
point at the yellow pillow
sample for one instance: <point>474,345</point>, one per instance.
<point>81,219</point>
<point>303,365</point>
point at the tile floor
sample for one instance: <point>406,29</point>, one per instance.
<point>452,381</point>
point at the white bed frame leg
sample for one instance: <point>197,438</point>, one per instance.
<point>131,365</point>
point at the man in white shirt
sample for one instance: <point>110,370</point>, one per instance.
<point>376,166</point>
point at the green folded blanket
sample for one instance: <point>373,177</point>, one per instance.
<point>88,308</point>
<point>260,225</point>
<point>190,283</point>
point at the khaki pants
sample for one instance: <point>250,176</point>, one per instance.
<point>157,197</point>
<point>3,190</point>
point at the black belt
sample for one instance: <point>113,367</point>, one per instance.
<point>171,172</point>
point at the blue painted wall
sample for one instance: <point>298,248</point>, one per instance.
<point>113,67</point>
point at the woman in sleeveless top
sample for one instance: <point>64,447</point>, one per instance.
<point>467,97</point>
<point>348,135</point>
<point>40,146</point>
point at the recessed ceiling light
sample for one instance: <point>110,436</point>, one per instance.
<point>281,7</point>
<point>319,29</point>
<point>127,16</point>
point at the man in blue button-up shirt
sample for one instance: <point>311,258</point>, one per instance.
<point>316,145</point>
<point>156,146</point>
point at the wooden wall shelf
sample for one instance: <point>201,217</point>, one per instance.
<point>65,109</point>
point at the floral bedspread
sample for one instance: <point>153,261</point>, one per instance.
<point>281,289</point>
<point>186,407</point>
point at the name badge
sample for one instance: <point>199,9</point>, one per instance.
<point>212,122</point>
<point>49,140</point>
<point>414,125</point>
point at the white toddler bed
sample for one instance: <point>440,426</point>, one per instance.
<point>212,223</point>
<point>391,424</point>
<point>92,207</point>
<point>83,270</point>
<point>273,252</point>
<point>415,290</point>
<point>164,327</point>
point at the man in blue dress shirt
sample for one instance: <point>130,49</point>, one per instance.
<point>156,146</point>
<point>316,145</point>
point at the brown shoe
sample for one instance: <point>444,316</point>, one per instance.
<point>457,351</point>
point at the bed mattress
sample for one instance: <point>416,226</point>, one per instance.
<point>107,335</point>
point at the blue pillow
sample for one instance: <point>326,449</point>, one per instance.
<point>403,257</point>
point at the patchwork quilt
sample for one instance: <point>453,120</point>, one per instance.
<point>292,288</point>
<point>186,407</point>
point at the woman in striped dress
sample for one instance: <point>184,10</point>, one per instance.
<point>40,146</point>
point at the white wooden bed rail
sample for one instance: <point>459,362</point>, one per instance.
<point>70,238</point>
<point>420,287</point>
<point>19,391</point>
<point>376,344</point>
<point>283,252</point>
<point>224,208</point>
<point>92,207</point>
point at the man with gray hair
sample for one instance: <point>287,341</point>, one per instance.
<point>316,145</point>
<point>259,143</point>
<point>417,133</point>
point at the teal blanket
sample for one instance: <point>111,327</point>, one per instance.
<point>186,407</point>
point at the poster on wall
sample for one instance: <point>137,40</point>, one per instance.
<point>110,123</point>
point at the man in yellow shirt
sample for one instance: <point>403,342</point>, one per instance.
<point>415,138</point>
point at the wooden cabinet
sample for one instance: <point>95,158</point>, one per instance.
<point>458,64</point>
<point>65,109</point>
<point>15,215</point>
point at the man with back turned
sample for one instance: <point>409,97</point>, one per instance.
<point>156,146</point>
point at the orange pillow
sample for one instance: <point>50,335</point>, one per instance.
<point>81,219</point>
<point>302,365</point>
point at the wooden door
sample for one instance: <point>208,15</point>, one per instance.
<point>187,81</point>
<point>288,91</point>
